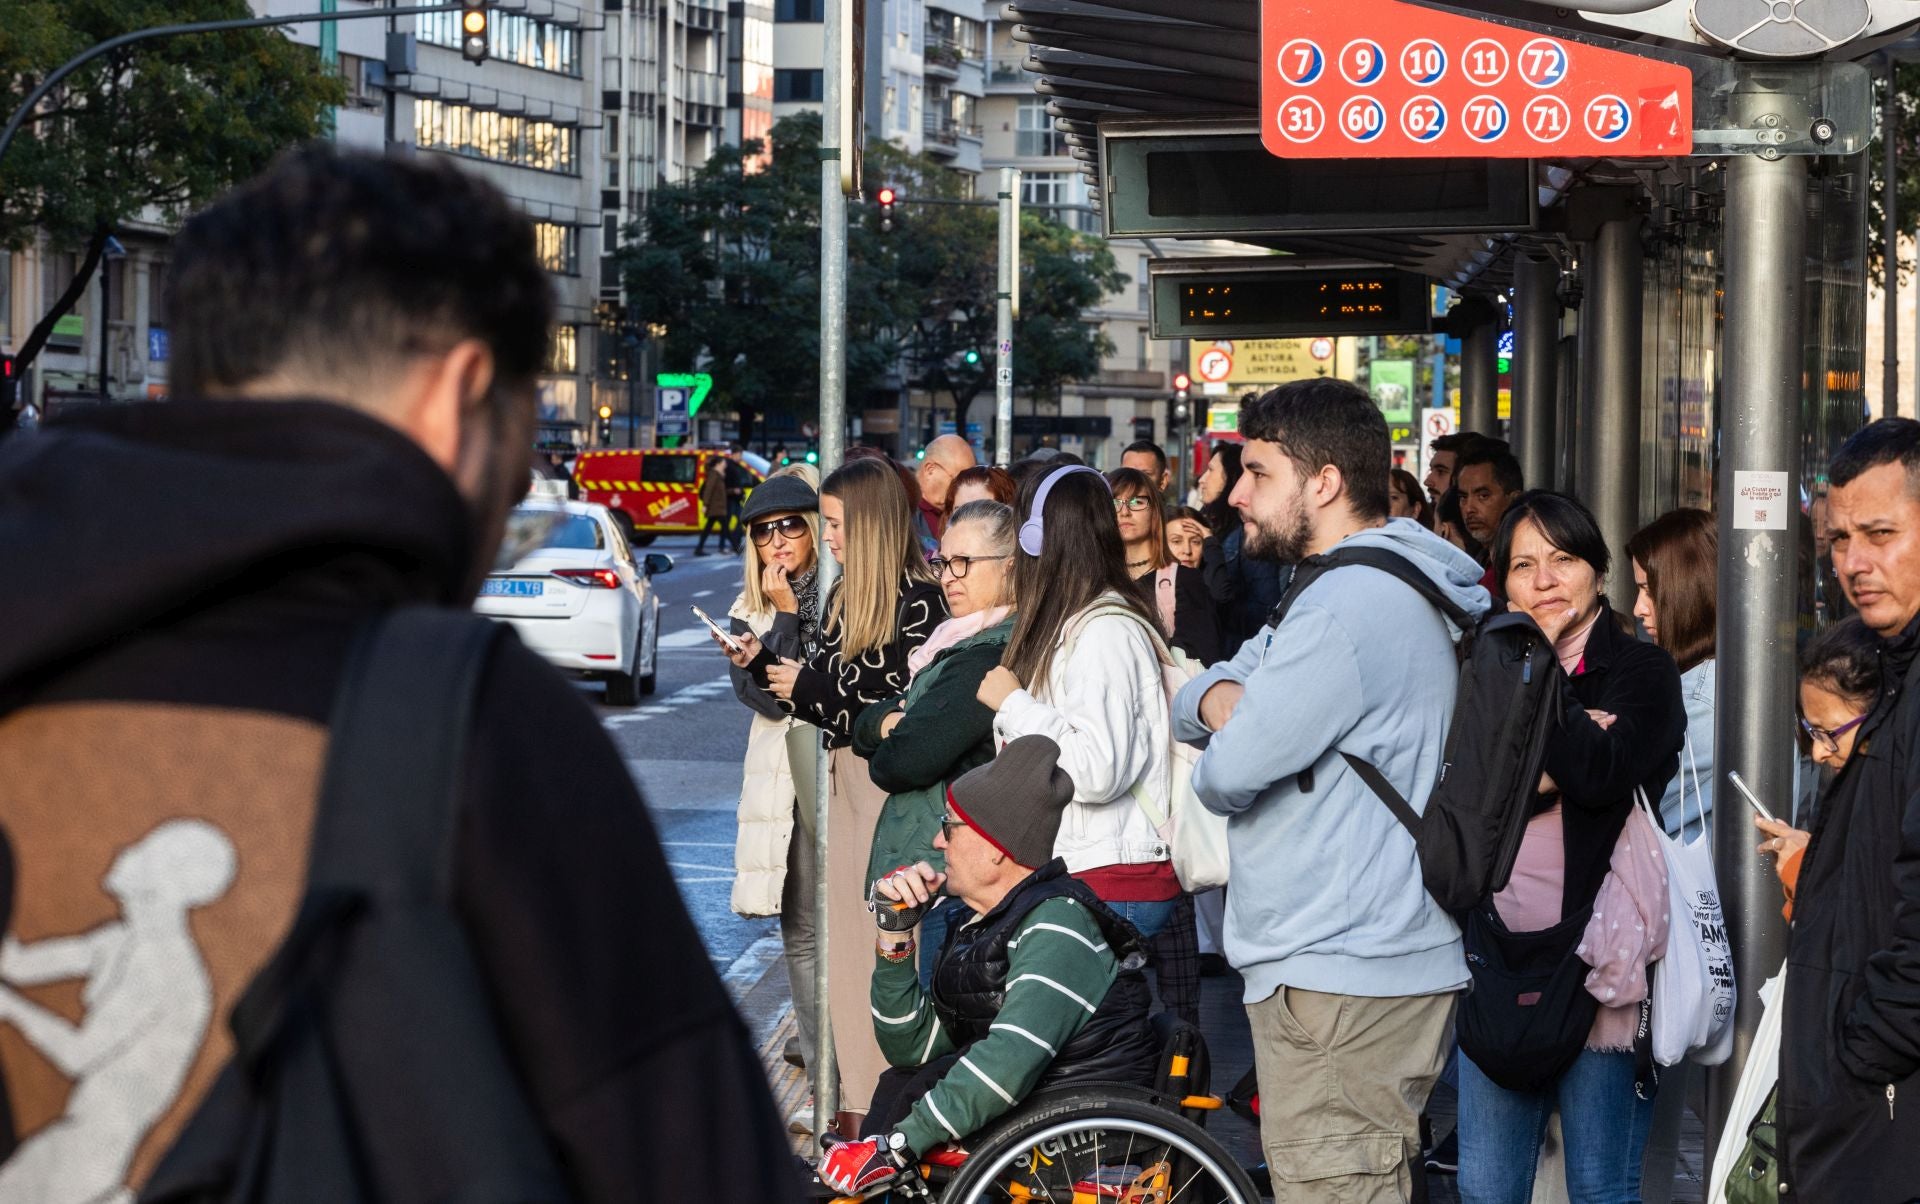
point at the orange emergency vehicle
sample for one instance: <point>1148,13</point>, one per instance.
<point>654,491</point>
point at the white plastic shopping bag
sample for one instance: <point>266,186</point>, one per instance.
<point>1693,987</point>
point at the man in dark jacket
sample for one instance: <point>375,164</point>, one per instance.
<point>356,342</point>
<point>1040,986</point>
<point>1849,1106</point>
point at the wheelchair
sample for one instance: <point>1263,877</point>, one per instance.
<point>1094,1143</point>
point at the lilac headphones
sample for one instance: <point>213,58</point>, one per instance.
<point>1033,531</point>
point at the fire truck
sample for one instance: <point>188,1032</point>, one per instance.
<point>655,491</point>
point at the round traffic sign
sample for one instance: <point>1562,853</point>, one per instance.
<point>1439,423</point>
<point>1321,349</point>
<point>1215,365</point>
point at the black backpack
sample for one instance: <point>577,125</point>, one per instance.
<point>1504,712</point>
<point>367,1065</point>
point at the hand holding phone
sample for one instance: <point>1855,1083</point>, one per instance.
<point>1759,807</point>
<point>734,646</point>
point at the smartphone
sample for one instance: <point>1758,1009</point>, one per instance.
<point>1760,808</point>
<point>732,644</point>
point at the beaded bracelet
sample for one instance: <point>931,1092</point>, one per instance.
<point>897,953</point>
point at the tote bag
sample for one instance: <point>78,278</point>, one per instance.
<point>1693,987</point>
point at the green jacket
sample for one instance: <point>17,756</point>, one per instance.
<point>944,732</point>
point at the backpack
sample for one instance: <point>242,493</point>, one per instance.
<point>1504,710</point>
<point>366,1062</point>
<point>1196,836</point>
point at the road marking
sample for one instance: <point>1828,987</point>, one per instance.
<point>699,692</point>
<point>705,593</point>
<point>697,844</point>
<point>709,869</point>
<point>750,967</point>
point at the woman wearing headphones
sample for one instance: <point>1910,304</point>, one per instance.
<point>1083,669</point>
<point>880,611</point>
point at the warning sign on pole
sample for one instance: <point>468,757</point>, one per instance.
<point>1382,79</point>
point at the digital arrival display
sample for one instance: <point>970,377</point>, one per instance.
<point>1285,302</point>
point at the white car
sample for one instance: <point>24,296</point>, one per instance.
<point>572,587</point>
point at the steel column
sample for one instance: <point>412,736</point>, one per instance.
<point>836,94</point>
<point>1608,471</point>
<point>1536,367</point>
<point>1766,225</point>
<point>1890,255</point>
<point>1480,378</point>
<point>1006,308</point>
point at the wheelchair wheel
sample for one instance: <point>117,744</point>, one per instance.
<point>1096,1145</point>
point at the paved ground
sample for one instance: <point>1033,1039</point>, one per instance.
<point>685,746</point>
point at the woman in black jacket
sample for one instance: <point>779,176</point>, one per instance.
<point>1188,615</point>
<point>1621,726</point>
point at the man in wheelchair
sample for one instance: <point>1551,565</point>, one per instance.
<point>1040,986</point>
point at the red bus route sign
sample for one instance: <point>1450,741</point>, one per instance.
<point>1381,79</point>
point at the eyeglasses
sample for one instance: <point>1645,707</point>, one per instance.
<point>790,527</point>
<point>959,564</point>
<point>1829,740</point>
<point>948,823</point>
<point>1135,503</point>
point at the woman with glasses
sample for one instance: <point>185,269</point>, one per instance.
<point>1839,683</point>
<point>1082,668</point>
<point>920,740</point>
<point>884,606</point>
<point>773,856</point>
<point>1189,617</point>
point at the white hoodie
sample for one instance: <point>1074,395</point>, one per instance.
<point>1106,708</point>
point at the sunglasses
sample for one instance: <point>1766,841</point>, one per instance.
<point>959,564</point>
<point>1829,740</point>
<point>790,527</point>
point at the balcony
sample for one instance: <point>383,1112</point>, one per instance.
<point>1009,72</point>
<point>942,57</point>
<point>943,133</point>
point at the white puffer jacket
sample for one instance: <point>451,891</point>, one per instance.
<point>767,802</point>
<point>1105,706</point>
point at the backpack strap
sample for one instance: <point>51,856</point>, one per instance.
<point>383,828</point>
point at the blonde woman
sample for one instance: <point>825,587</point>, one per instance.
<point>773,859</point>
<point>885,606</point>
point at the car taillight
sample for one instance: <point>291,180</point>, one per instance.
<point>591,578</point>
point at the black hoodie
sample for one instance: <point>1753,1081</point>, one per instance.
<point>181,584</point>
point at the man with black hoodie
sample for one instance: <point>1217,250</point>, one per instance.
<point>356,342</point>
<point>1849,1106</point>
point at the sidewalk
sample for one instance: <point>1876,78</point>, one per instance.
<point>1229,1043</point>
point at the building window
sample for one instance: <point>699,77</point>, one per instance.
<point>57,269</point>
<point>798,11</point>
<point>498,137</point>
<point>1145,286</point>
<point>1034,135</point>
<point>6,293</point>
<point>610,235</point>
<point>558,247</point>
<point>1145,361</point>
<point>613,173</point>
<point>511,38</point>
<point>563,351</point>
<point>1046,189</point>
<point>798,85</point>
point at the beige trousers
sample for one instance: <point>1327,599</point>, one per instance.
<point>1343,1080</point>
<point>853,811</point>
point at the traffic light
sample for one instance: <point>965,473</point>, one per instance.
<point>606,425</point>
<point>972,357</point>
<point>886,198</point>
<point>473,31</point>
<point>813,457</point>
<point>1182,412</point>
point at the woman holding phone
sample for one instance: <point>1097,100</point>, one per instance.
<point>773,856</point>
<point>884,607</point>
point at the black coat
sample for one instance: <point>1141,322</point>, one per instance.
<point>1852,1022</point>
<point>1196,617</point>
<point>1597,770</point>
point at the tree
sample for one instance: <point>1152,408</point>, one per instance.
<point>1906,191</point>
<point>728,265</point>
<point>158,127</point>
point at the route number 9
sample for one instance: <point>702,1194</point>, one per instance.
<point>1363,62</point>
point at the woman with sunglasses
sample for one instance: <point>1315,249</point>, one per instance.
<point>1839,682</point>
<point>773,856</point>
<point>884,606</point>
<point>936,730</point>
<point>1189,616</point>
<point>1083,669</point>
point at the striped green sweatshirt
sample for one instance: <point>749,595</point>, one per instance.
<point>1059,969</point>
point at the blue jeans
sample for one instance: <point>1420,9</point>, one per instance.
<point>1605,1125</point>
<point>1149,918</point>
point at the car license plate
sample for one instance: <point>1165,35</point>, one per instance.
<point>496,588</point>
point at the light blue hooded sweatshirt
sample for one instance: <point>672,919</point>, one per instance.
<point>1325,891</point>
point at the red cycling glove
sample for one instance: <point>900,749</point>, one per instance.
<point>857,1167</point>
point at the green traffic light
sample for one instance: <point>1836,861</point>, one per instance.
<point>813,457</point>
<point>973,357</point>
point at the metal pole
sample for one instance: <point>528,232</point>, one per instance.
<point>1608,475</point>
<point>106,319</point>
<point>1766,224</point>
<point>1536,367</point>
<point>1480,378</point>
<point>1890,255</point>
<point>833,444</point>
<point>1006,308</point>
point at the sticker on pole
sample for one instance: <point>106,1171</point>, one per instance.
<point>1406,81</point>
<point>1760,501</point>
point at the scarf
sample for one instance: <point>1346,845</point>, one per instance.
<point>1571,647</point>
<point>806,589</point>
<point>952,632</point>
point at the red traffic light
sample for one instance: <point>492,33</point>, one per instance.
<point>1182,381</point>
<point>884,196</point>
